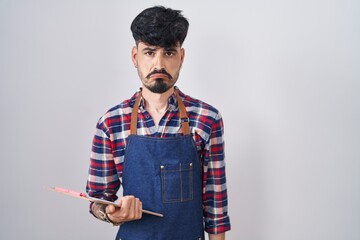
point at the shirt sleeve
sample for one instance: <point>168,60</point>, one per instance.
<point>215,191</point>
<point>103,181</point>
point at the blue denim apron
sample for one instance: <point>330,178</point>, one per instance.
<point>165,173</point>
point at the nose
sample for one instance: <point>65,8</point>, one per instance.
<point>159,62</point>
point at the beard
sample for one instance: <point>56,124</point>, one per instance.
<point>160,86</point>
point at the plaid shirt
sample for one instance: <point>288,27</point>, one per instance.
<point>206,125</point>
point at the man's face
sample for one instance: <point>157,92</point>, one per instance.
<point>158,67</point>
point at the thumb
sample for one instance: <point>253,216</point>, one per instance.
<point>110,209</point>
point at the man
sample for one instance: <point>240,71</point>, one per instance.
<point>165,148</point>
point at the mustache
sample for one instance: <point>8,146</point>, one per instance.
<point>161,71</point>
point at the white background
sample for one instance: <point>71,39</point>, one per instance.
<point>284,75</point>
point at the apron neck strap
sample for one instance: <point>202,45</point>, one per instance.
<point>183,115</point>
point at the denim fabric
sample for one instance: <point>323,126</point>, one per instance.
<point>165,173</point>
<point>177,182</point>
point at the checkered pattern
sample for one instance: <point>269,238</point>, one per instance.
<point>206,125</point>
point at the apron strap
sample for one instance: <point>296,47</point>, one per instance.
<point>134,115</point>
<point>183,115</point>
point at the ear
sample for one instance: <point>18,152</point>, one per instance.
<point>134,52</point>
<point>182,52</point>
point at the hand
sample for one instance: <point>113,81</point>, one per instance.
<point>130,209</point>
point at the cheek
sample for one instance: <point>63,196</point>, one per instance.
<point>144,66</point>
<point>143,70</point>
<point>175,67</point>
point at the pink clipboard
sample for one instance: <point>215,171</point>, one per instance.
<point>91,199</point>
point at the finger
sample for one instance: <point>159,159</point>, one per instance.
<point>135,208</point>
<point>120,202</point>
<point>138,209</point>
<point>132,212</point>
<point>126,207</point>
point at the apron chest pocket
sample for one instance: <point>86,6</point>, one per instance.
<point>177,182</point>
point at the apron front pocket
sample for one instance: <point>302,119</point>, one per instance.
<point>177,182</point>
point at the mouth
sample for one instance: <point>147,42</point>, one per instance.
<point>159,74</point>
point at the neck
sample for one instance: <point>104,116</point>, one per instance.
<point>156,102</point>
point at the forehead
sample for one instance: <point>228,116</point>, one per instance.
<point>142,46</point>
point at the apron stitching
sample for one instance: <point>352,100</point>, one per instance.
<point>181,187</point>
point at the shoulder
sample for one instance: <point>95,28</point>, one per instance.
<point>120,112</point>
<point>204,118</point>
<point>199,107</point>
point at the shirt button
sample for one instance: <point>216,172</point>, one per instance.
<point>147,116</point>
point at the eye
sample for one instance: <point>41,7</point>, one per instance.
<point>149,53</point>
<point>169,53</point>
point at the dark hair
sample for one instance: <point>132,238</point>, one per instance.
<point>160,26</point>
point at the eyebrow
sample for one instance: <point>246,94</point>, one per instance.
<point>149,49</point>
<point>167,49</point>
<point>170,49</point>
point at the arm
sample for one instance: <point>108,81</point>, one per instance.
<point>103,181</point>
<point>220,236</point>
<point>215,192</point>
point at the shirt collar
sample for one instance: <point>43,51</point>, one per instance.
<point>172,101</point>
